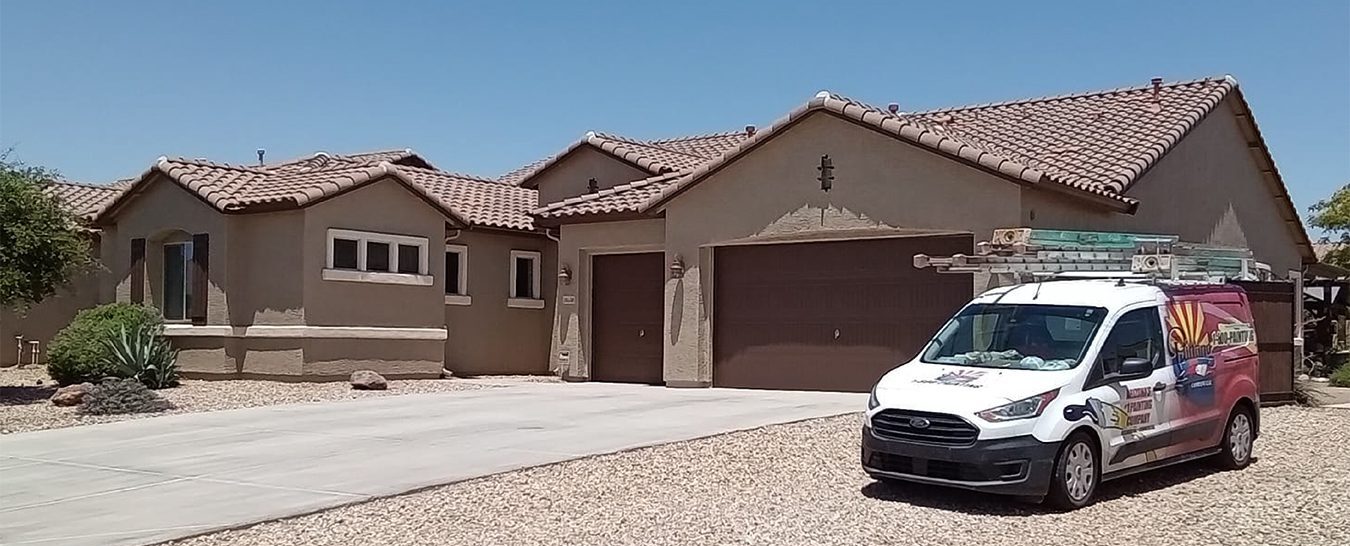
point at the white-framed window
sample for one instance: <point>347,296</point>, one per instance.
<point>365,256</point>
<point>177,290</point>
<point>457,275</point>
<point>525,280</point>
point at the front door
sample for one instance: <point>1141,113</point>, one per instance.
<point>626,317</point>
<point>1133,415</point>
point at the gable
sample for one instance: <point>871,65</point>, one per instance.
<point>569,175</point>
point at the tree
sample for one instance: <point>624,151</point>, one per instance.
<point>41,246</point>
<point>1332,215</point>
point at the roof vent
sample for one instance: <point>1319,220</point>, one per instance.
<point>261,153</point>
<point>749,130</point>
<point>1157,87</point>
<point>893,108</point>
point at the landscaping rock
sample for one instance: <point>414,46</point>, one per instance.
<point>366,380</point>
<point>72,395</point>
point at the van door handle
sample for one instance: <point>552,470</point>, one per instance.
<point>1159,386</point>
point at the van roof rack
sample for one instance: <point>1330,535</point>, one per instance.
<point>1032,255</point>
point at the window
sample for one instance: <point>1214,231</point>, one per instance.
<point>1027,337</point>
<point>525,280</point>
<point>177,289</point>
<point>457,275</point>
<point>377,257</point>
<point>1138,334</point>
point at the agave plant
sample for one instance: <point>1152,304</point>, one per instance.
<point>141,354</point>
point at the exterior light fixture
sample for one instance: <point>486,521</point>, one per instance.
<point>826,169</point>
<point>677,267</point>
<point>592,186</point>
<point>565,275</point>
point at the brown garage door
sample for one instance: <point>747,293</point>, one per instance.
<point>626,318</point>
<point>828,316</point>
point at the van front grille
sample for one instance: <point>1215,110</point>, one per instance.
<point>923,427</point>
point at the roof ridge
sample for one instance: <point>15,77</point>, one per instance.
<point>695,137</point>
<point>455,174</point>
<point>1063,96</point>
<point>203,162</point>
<point>92,185</point>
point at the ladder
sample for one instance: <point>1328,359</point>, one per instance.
<point>1031,255</point>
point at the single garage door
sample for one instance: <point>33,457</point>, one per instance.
<point>828,316</point>
<point>626,317</point>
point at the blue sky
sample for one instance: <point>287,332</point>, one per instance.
<point>98,89</point>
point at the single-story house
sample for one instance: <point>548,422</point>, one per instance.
<point>781,258</point>
<point>313,268</point>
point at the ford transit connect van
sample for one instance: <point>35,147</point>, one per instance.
<point>1047,389</point>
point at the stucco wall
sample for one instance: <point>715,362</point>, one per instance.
<point>298,359</point>
<point>571,321</point>
<point>41,322</point>
<point>570,176</point>
<point>487,336</point>
<point>163,210</point>
<point>382,207</point>
<point>1207,189</point>
<point>266,263</point>
<point>879,183</point>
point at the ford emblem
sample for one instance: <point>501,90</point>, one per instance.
<point>919,422</point>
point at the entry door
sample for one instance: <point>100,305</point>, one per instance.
<point>1135,416</point>
<point>627,294</point>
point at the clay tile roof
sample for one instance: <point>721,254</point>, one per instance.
<point>653,156</point>
<point>622,198</point>
<point>482,201</point>
<point>84,200</point>
<point>465,199</point>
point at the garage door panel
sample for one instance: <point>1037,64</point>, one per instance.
<point>828,316</point>
<point>626,317</point>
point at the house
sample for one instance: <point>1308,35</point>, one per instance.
<point>783,259</point>
<point>313,268</point>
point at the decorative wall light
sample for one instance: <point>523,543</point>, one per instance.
<point>826,169</point>
<point>565,275</point>
<point>677,267</point>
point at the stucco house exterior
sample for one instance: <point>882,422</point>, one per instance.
<point>783,260</point>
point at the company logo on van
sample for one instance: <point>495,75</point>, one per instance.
<point>919,422</point>
<point>958,378</point>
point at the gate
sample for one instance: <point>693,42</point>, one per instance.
<point>1275,306</point>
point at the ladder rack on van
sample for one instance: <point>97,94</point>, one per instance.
<point>1035,254</point>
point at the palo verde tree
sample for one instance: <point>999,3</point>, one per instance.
<point>1332,215</point>
<point>41,246</point>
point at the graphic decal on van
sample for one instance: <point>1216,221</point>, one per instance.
<point>1104,414</point>
<point>958,378</point>
<point>1198,333</point>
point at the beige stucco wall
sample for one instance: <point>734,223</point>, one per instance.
<point>266,259</point>
<point>298,359</point>
<point>571,174</point>
<point>1207,189</point>
<point>487,336</point>
<point>570,344</point>
<point>880,182</point>
<point>42,321</point>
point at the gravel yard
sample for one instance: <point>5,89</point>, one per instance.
<point>800,484</point>
<point>24,404</point>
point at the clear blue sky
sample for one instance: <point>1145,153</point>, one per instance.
<point>98,89</point>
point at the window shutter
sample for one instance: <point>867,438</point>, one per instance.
<point>137,270</point>
<point>200,273</point>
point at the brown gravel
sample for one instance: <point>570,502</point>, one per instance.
<point>800,484</point>
<point>24,404</point>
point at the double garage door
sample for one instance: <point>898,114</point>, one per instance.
<point>802,316</point>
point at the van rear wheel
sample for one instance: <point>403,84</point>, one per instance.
<point>1077,473</point>
<point>1235,451</point>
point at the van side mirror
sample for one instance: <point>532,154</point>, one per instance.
<point>1134,368</point>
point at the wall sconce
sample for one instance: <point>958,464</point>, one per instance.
<point>826,169</point>
<point>677,267</point>
<point>565,275</point>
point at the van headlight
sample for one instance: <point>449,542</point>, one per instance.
<point>1025,408</point>
<point>872,401</point>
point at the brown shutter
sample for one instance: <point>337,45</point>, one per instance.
<point>199,273</point>
<point>137,270</point>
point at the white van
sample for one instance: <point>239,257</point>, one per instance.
<point>1046,389</point>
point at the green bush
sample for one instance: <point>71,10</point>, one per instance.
<point>79,352</point>
<point>141,354</point>
<point>114,396</point>
<point>1341,378</point>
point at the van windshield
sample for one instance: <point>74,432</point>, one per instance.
<point>1024,337</point>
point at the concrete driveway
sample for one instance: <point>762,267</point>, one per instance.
<point>151,480</point>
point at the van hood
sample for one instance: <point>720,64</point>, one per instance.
<point>962,389</point>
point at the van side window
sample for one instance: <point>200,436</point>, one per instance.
<point>1138,334</point>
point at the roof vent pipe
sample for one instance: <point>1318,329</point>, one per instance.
<point>893,108</point>
<point>261,153</point>
<point>1157,88</point>
<point>749,130</point>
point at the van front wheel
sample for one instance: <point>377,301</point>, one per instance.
<point>1077,473</point>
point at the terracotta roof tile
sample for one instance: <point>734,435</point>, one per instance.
<point>84,200</point>
<point>652,156</point>
<point>622,198</point>
<point>482,201</point>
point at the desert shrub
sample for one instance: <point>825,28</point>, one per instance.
<point>1341,377</point>
<point>117,395</point>
<point>79,352</point>
<point>140,353</point>
<point>1307,395</point>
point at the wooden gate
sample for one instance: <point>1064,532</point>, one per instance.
<point>1274,307</point>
